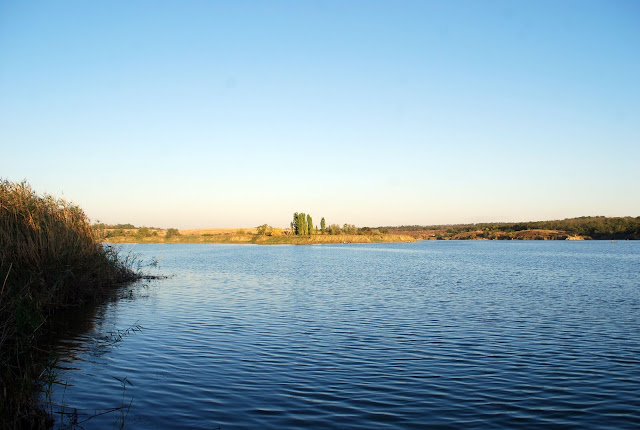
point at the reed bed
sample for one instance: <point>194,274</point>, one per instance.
<point>50,259</point>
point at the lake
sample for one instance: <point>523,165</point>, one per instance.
<point>437,334</point>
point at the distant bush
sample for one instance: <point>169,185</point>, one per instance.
<point>143,232</point>
<point>125,226</point>
<point>172,232</point>
<point>114,226</point>
<point>349,229</point>
<point>114,233</point>
<point>365,230</point>
<point>334,229</point>
<point>264,229</point>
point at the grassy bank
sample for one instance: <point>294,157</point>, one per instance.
<point>50,259</point>
<point>241,236</point>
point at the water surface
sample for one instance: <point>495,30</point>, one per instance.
<point>424,335</point>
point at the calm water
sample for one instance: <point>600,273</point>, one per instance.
<point>422,335</point>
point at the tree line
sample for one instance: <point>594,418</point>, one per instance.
<point>594,227</point>
<point>302,225</point>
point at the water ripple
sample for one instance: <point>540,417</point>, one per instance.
<point>422,335</point>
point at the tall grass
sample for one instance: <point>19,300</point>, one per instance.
<point>50,259</point>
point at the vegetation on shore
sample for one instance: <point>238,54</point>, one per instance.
<point>582,228</point>
<point>302,232</point>
<point>50,260</point>
<point>262,235</point>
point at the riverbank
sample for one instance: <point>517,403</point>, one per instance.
<point>243,236</point>
<point>50,260</point>
<point>480,234</point>
<point>582,228</point>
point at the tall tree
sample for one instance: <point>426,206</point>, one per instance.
<point>294,225</point>
<point>302,224</point>
<point>323,225</point>
<point>309,225</point>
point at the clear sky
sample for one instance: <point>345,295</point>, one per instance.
<point>237,113</point>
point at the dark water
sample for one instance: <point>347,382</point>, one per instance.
<point>423,335</point>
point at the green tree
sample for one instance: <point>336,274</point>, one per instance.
<point>309,225</point>
<point>323,225</point>
<point>295,227</point>
<point>303,223</point>
<point>300,225</point>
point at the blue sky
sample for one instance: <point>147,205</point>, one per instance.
<point>238,113</point>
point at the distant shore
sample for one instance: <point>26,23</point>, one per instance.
<point>582,228</point>
<point>244,236</point>
<point>250,236</point>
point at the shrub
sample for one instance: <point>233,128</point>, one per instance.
<point>172,232</point>
<point>334,229</point>
<point>114,233</point>
<point>349,229</point>
<point>264,230</point>
<point>143,232</point>
<point>365,230</point>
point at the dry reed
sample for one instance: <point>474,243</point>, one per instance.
<point>49,259</point>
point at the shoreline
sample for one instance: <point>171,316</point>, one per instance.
<point>406,237</point>
<point>582,228</point>
<point>249,239</point>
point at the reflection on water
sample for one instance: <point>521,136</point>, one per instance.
<point>449,334</point>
